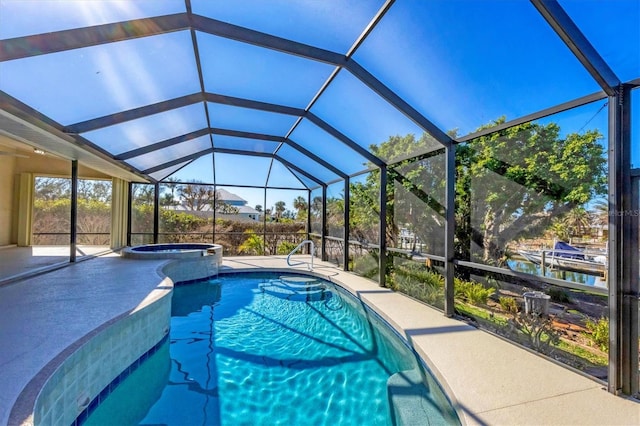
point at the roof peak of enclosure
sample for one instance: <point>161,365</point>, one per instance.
<point>327,87</point>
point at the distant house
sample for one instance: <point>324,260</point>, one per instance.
<point>230,198</point>
<point>244,212</point>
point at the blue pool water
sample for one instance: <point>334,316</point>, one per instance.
<point>251,349</point>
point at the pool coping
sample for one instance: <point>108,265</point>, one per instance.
<point>182,251</point>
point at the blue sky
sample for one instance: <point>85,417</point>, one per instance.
<point>460,64</point>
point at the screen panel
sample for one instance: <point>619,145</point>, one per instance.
<point>21,18</point>
<point>462,64</point>
<point>92,82</point>
<point>241,70</point>
<point>332,25</point>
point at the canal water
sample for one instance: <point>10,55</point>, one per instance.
<point>575,277</point>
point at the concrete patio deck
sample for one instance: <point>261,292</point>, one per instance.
<point>20,262</point>
<point>490,381</point>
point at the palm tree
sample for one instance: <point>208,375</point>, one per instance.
<point>558,229</point>
<point>600,215</point>
<point>143,194</point>
<point>578,222</point>
<point>301,206</point>
<point>169,198</point>
<point>316,206</point>
<point>280,208</point>
<point>600,211</point>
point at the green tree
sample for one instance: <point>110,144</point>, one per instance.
<point>363,213</point>
<point>279,209</point>
<point>286,247</point>
<point>558,229</point>
<point>168,197</point>
<point>225,208</point>
<point>289,215</point>
<point>578,222</point>
<point>600,213</point>
<point>179,224</point>
<point>94,190</point>
<point>142,208</point>
<point>301,206</point>
<point>335,216</point>
<point>197,197</point>
<point>415,195</point>
<point>316,206</point>
<point>143,194</point>
<point>523,176</point>
<point>47,188</point>
<point>509,185</point>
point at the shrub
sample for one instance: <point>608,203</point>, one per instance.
<point>232,234</point>
<point>558,295</point>
<point>509,304</point>
<point>417,281</point>
<point>253,244</point>
<point>598,333</point>
<point>535,331</point>
<point>472,292</point>
<point>365,266</point>
<point>286,247</point>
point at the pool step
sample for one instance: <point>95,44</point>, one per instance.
<point>294,280</point>
<point>300,282</point>
<point>296,288</point>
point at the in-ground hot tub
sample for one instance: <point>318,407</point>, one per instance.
<point>191,261</point>
<point>174,251</point>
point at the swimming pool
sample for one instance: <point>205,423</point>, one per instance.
<point>265,349</point>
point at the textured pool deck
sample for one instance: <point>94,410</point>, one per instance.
<point>490,381</point>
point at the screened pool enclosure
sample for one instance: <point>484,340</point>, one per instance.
<point>437,147</point>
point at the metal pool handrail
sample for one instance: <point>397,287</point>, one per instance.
<point>313,252</point>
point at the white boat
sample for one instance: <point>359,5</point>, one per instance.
<point>566,257</point>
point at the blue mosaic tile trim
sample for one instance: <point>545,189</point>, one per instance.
<point>261,274</point>
<point>196,280</point>
<point>84,415</point>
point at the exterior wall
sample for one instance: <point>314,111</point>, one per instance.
<point>24,207</point>
<point>48,165</point>
<point>7,199</point>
